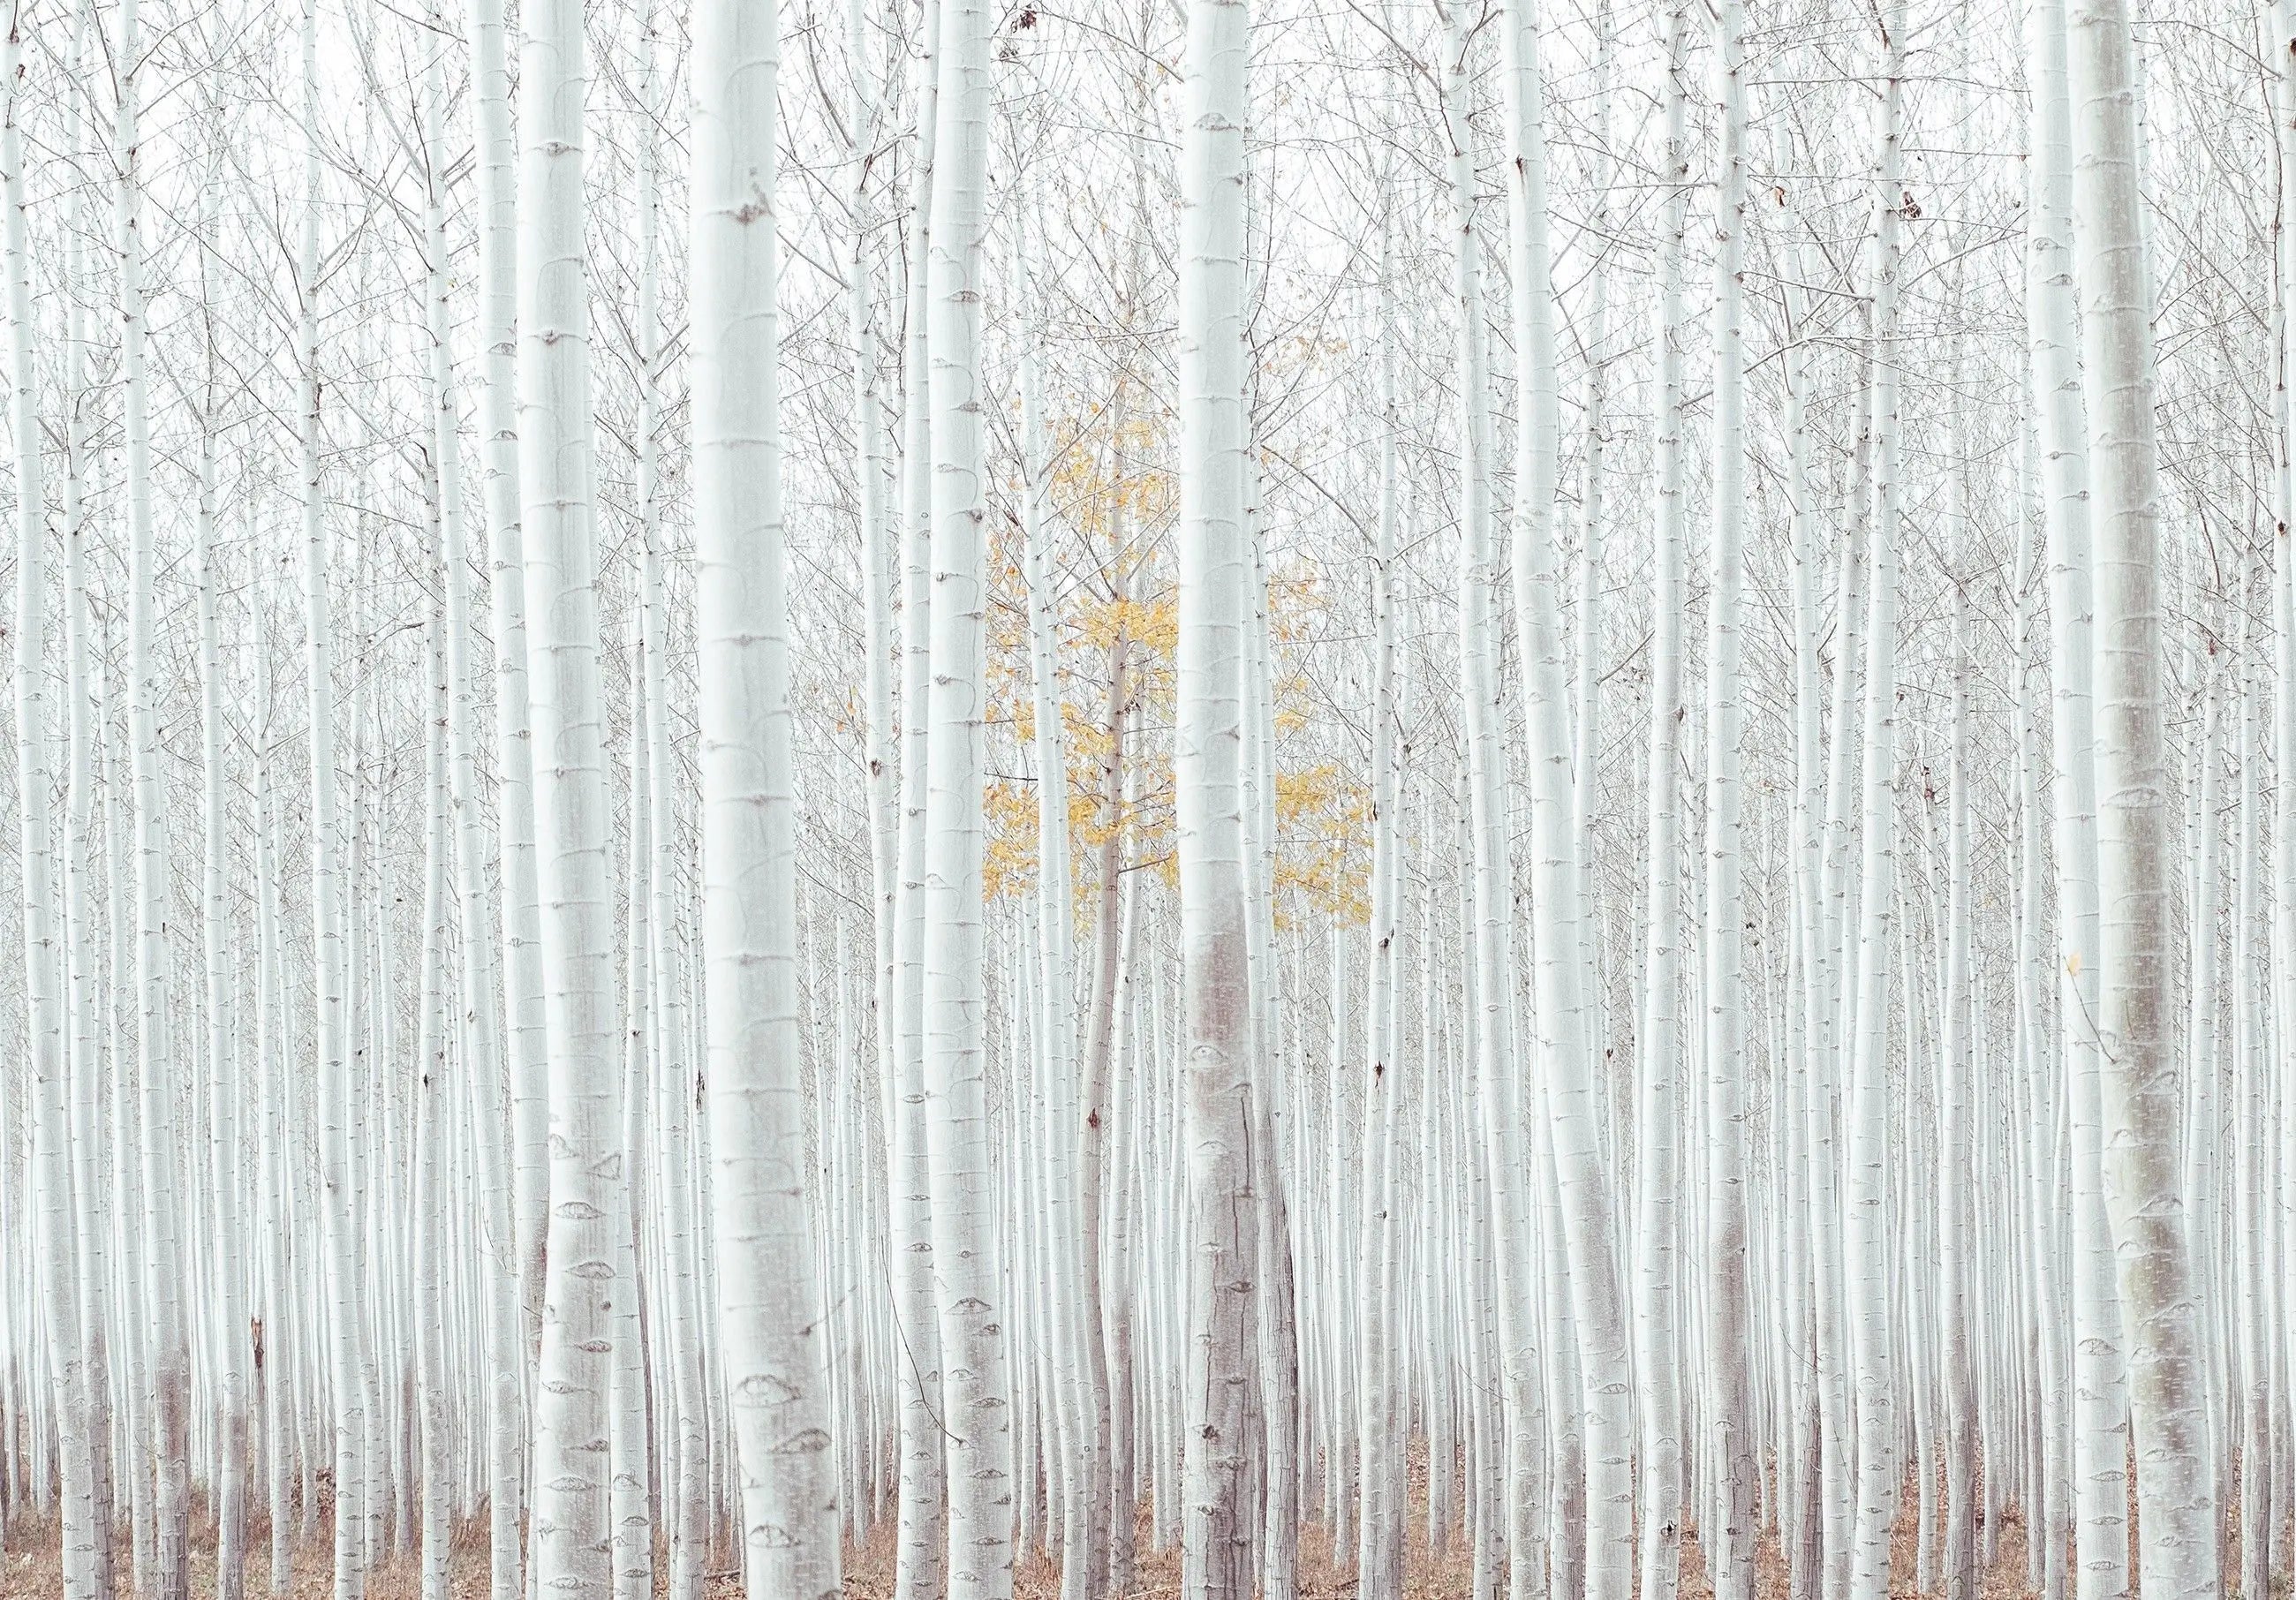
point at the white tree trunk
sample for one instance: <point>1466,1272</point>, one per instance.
<point>2176,1488</point>
<point>94,1203</point>
<point>83,1522</point>
<point>1222,1423</point>
<point>1730,1450</point>
<point>1867,1232</point>
<point>2099,1378</point>
<point>163,1288</point>
<point>921,1564</point>
<point>1593,1472</point>
<point>1378,1548</point>
<point>583,1276</point>
<point>1080,1361</point>
<point>976,1395</point>
<point>1956,1280</point>
<point>1658,1042</point>
<point>2281,21</point>
<point>477,1020</point>
<point>229,1325</point>
<point>1496,1022</point>
<point>525,1032</point>
<point>430,1205</point>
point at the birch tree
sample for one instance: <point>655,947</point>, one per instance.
<point>2175,1483</point>
<point>768,1306</point>
<point>1181,977</point>
<point>582,1275</point>
<point>1221,1428</point>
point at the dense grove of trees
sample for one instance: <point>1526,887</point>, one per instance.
<point>1497,789</point>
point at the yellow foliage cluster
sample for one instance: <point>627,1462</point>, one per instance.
<point>1008,860</point>
<point>1323,822</point>
<point>1089,491</point>
<point>1322,841</point>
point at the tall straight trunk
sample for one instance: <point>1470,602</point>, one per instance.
<point>2253,1296</point>
<point>93,1200</point>
<point>583,1276</point>
<point>226,1281</point>
<point>478,1021</point>
<point>1278,1332</point>
<point>1823,780</point>
<point>656,1076</point>
<point>1222,1427</point>
<point>1112,1103</point>
<point>524,1029</point>
<point>82,1520</point>
<point>1283,1404</point>
<point>1566,1050</point>
<point>168,1339</point>
<point>976,1397</point>
<point>869,435</point>
<point>2204,1148</point>
<point>1502,1150</point>
<point>2282,20</point>
<point>1658,1357</point>
<point>2047,1519</point>
<point>1956,1281</point>
<point>1103,1309</point>
<point>2176,1488</point>
<point>1867,1233</point>
<point>269,1333</point>
<point>2100,1440</point>
<point>431,1206</point>
<point>1081,1359</point>
<point>1378,1548</point>
<point>339,1243</point>
<point>880,546</point>
<point>1730,1450</point>
<point>775,1344</point>
<point>920,1563</point>
<point>1586,692</point>
<point>1103,1299</point>
<point>128,1237</point>
<point>632,1485</point>
<point>668,1184</point>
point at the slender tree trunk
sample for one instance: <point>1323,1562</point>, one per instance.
<point>1379,1550</point>
<point>1658,1357</point>
<point>1566,1050</point>
<point>2176,1487</point>
<point>1956,1284</point>
<point>1081,1362</point>
<point>1494,1031</point>
<point>229,1486</point>
<point>2282,22</point>
<point>1221,1428</point>
<point>525,1031</point>
<point>921,1563</point>
<point>975,1389</point>
<point>82,1518</point>
<point>584,1275</point>
<point>478,1021</point>
<point>1866,1219</point>
<point>1730,1450</point>
<point>668,1181</point>
<point>430,1205</point>
<point>93,1204</point>
<point>2099,1377</point>
<point>169,1343</point>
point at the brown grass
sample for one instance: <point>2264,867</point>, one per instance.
<point>28,1569</point>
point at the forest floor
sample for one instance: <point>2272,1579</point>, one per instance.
<point>28,1570</point>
